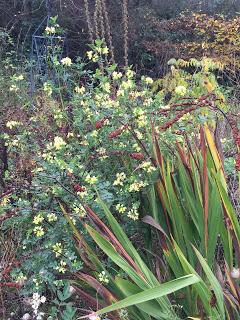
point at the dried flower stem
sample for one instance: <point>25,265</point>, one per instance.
<point>90,29</point>
<point>125,29</point>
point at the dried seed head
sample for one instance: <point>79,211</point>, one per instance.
<point>137,155</point>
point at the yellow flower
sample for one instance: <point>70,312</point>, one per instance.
<point>180,90</point>
<point>105,50</point>
<point>148,80</point>
<point>80,211</point>
<point>59,143</point>
<point>129,73</point>
<point>95,57</point>
<point>136,186</point>
<point>70,135</point>
<point>120,93</point>
<point>209,86</point>
<point>106,86</point>
<point>13,88</point>
<point>127,84</point>
<point>62,267</point>
<point>52,217</point>
<point>57,249</point>
<point>84,143</point>
<point>47,88</point>
<point>116,75</point>
<point>133,213</point>
<point>101,151</point>
<point>136,147</point>
<point>121,208</point>
<point>91,180</point>
<point>50,30</point>
<point>39,231</point>
<point>66,61</point>
<point>120,177</point>
<point>147,166</point>
<point>142,121</point>
<point>94,133</point>
<point>19,78</point>
<point>11,124</point>
<point>4,201</point>
<point>38,219</point>
<point>90,55</point>
<point>103,277</point>
<point>80,90</point>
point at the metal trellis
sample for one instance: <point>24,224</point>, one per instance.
<point>42,46</point>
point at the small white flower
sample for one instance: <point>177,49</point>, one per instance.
<point>235,273</point>
<point>72,290</point>
<point>26,316</point>
<point>36,296</point>
<point>40,316</point>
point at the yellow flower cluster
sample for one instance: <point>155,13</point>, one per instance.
<point>91,179</point>
<point>52,217</point>
<point>47,88</point>
<point>133,213</point>
<point>4,201</point>
<point>12,124</point>
<point>66,61</point>
<point>14,88</point>
<point>38,219</point>
<point>19,78</point>
<point>102,152</point>
<point>79,210</point>
<point>57,249</point>
<point>128,84</point>
<point>117,75</point>
<point>59,143</point>
<point>121,208</point>
<point>141,118</point>
<point>50,30</point>
<point>130,73</point>
<point>136,186</point>
<point>120,177</point>
<point>103,278</point>
<point>106,87</point>
<point>147,166</point>
<point>180,90</point>
<point>62,267</point>
<point>80,90</point>
<point>147,80</point>
<point>39,231</point>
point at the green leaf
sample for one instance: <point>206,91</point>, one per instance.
<point>153,293</point>
<point>214,283</point>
